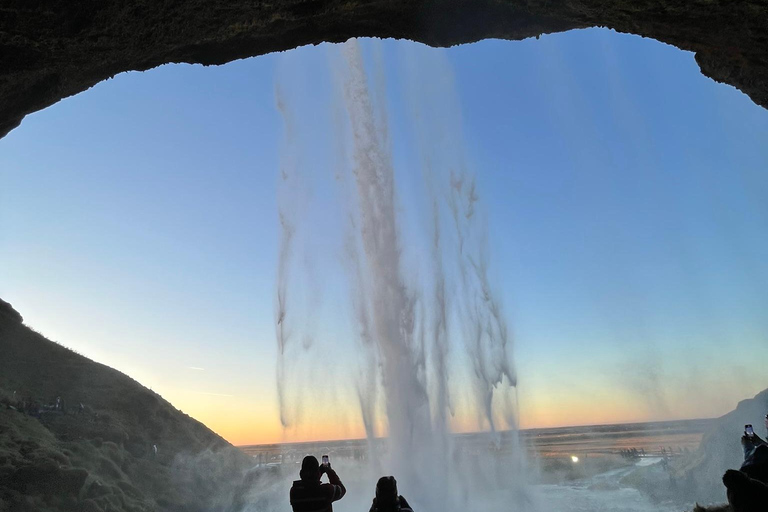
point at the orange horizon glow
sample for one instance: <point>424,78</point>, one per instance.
<point>245,418</point>
<point>331,438</point>
<point>269,431</point>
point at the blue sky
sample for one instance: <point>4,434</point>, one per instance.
<point>625,195</point>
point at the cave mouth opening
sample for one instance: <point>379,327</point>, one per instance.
<point>584,149</point>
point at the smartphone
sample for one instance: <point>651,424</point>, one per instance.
<point>326,461</point>
<point>749,430</point>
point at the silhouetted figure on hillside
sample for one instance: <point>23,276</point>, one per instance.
<point>309,494</point>
<point>387,499</point>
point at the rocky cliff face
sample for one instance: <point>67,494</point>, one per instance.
<point>51,49</point>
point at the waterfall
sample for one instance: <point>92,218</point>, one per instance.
<point>416,330</point>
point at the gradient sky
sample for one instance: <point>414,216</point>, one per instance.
<point>625,192</point>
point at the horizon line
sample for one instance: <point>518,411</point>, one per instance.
<point>338,440</point>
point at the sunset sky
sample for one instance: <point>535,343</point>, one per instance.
<point>627,215</point>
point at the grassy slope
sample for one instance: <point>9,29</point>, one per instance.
<point>101,459</point>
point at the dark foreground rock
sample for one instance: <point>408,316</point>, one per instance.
<point>52,49</point>
<point>8,314</point>
<point>99,457</point>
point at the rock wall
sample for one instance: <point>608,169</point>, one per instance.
<point>51,49</point>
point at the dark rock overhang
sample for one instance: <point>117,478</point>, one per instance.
<point>7,313</point>
<point>51,49</point>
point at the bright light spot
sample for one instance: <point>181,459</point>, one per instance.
<point>574,458</point>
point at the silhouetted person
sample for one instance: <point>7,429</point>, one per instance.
<point>387,499</point>
<point>309,495</point>
<point>755,456</point>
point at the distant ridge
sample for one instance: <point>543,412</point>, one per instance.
<point>100,456</point>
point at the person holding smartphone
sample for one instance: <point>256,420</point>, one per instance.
<point>750,440</point>
<point>310,495</point>
<point>755,454</point>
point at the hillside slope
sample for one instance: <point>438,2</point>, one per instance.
<point>100,456</point>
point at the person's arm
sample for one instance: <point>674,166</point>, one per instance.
<point>751,441</point>
<point>339,490</point>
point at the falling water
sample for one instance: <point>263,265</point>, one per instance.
<point>412,331</point>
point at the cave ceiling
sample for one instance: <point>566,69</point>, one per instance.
<point>52,49</point>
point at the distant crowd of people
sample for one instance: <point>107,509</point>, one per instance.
<point>664,453</point>
<point>38,409</point>
<point>632,453</point>
<point>29,405</point>
<point>309,494</point>
<point>263,458</point>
